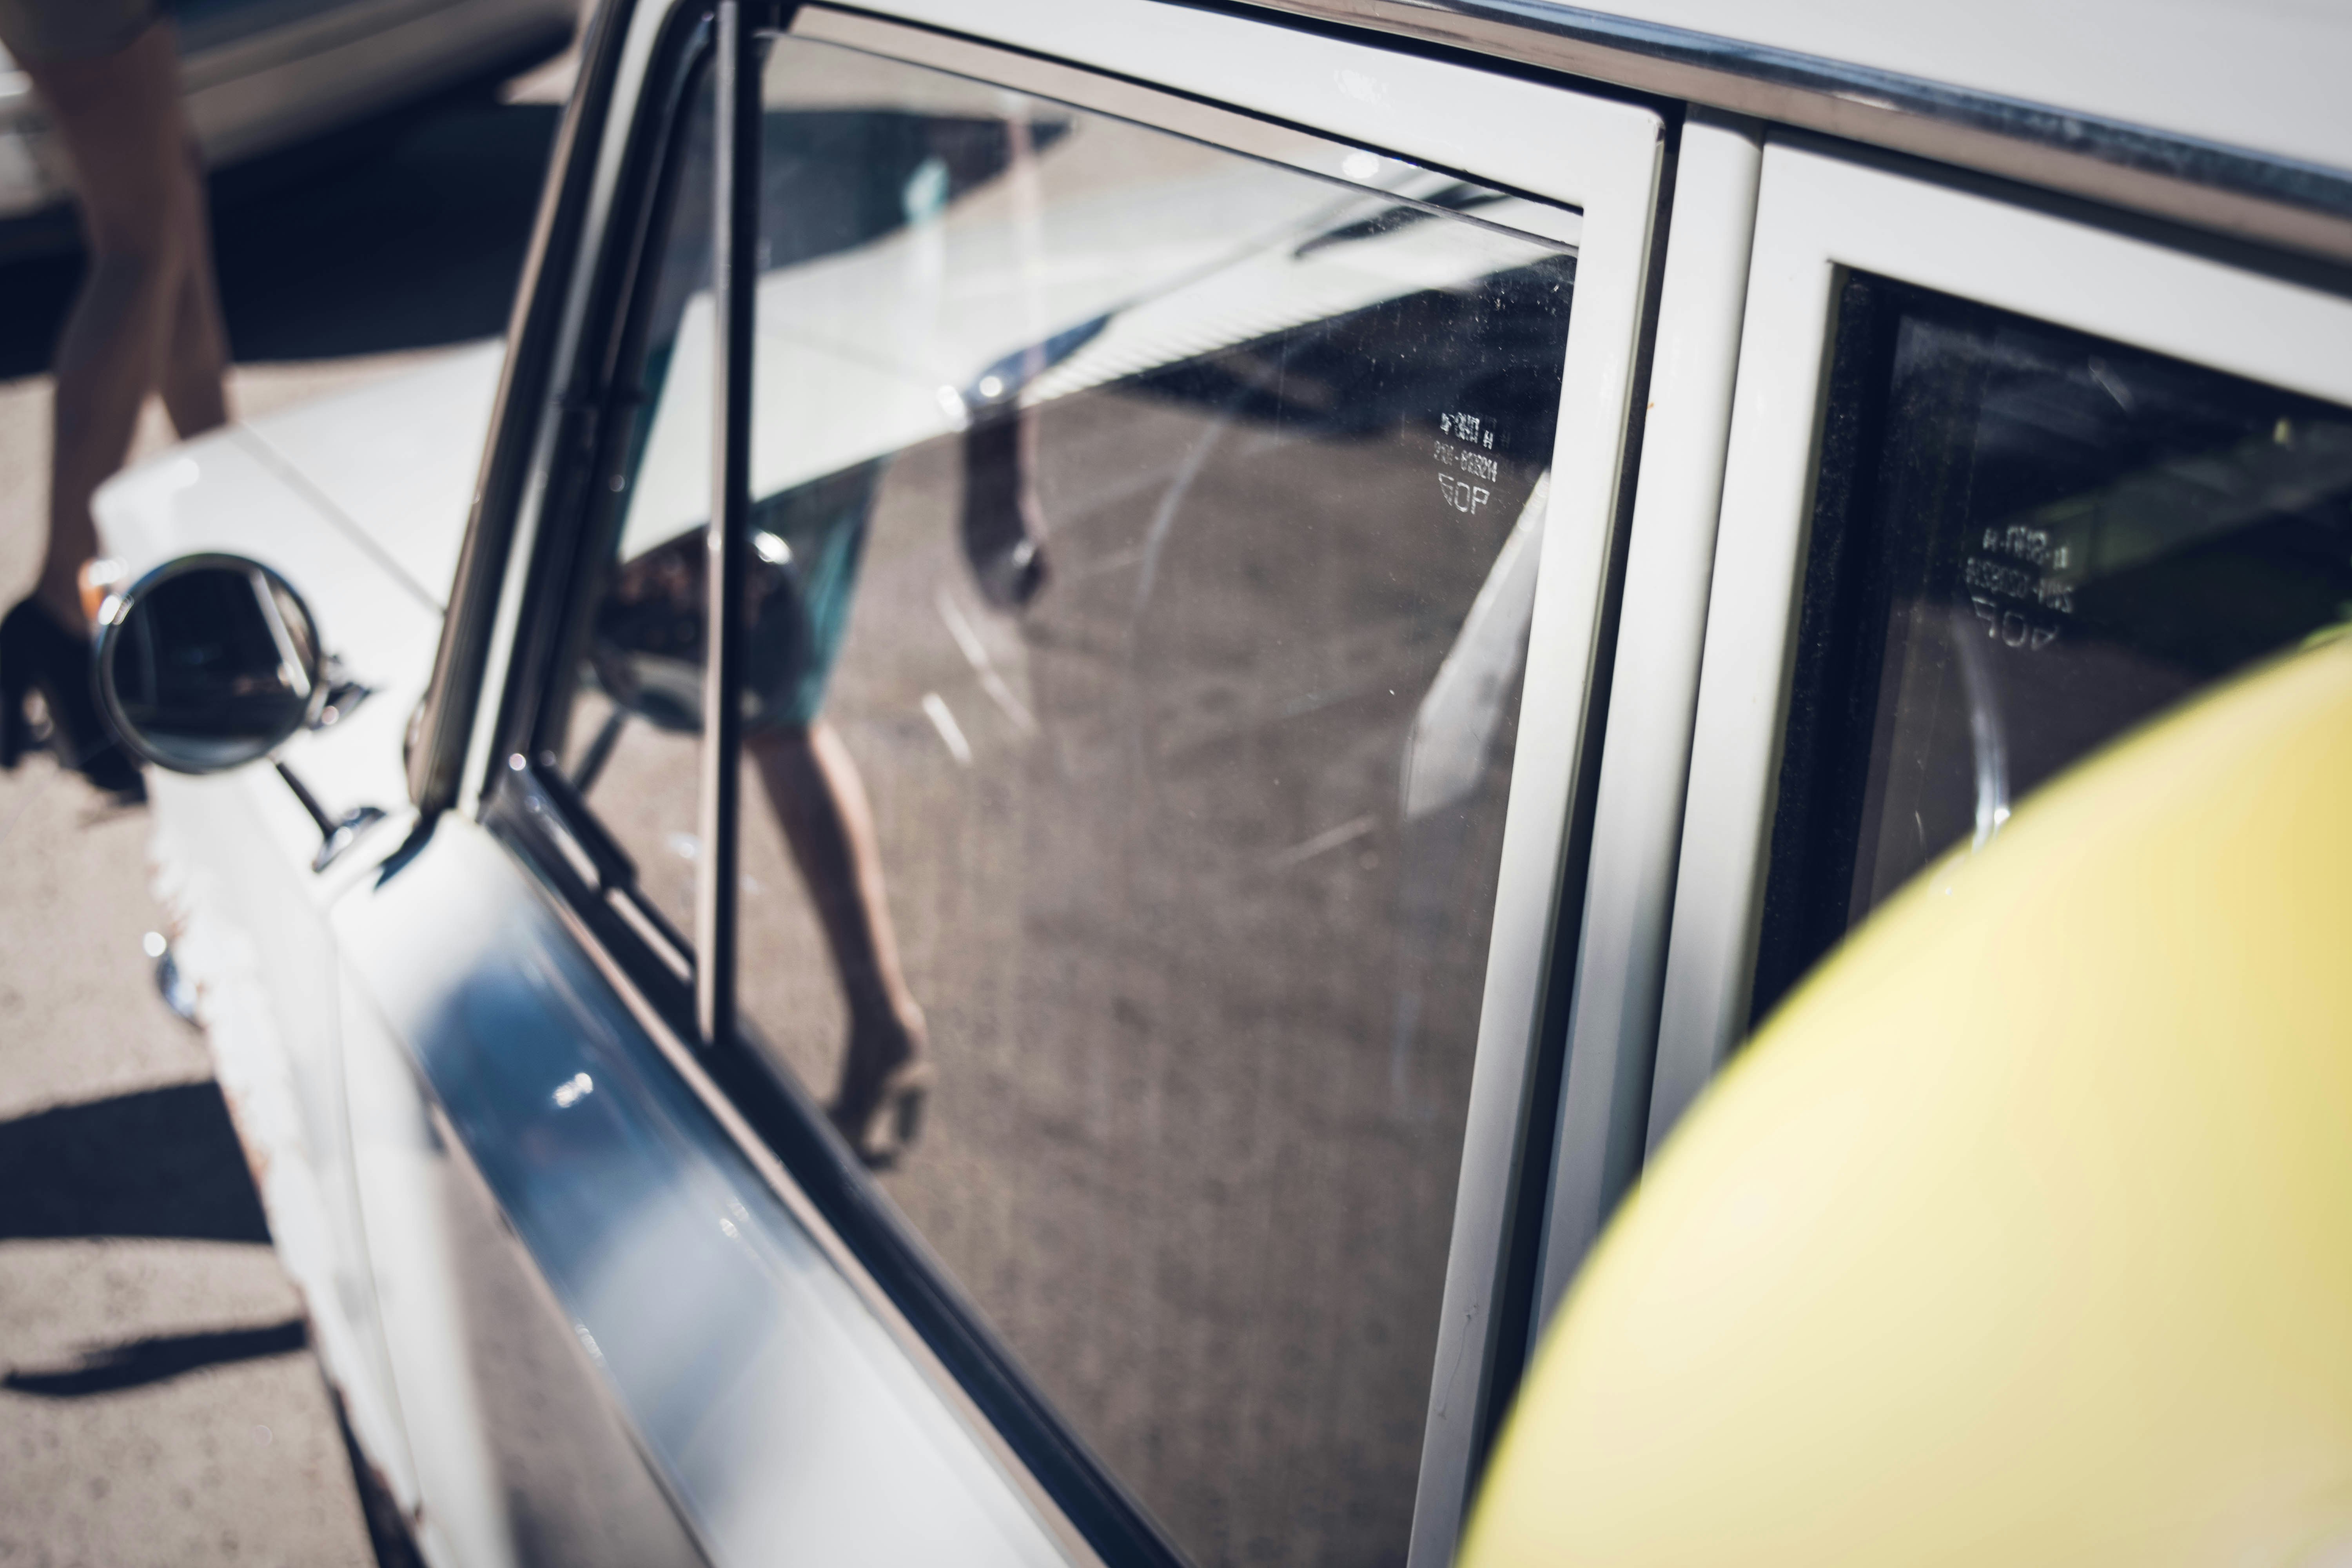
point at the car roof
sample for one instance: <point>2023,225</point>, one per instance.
<point>2263,75</point>
<point>2225,114</point>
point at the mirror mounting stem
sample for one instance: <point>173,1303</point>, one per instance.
<point>336,834</point>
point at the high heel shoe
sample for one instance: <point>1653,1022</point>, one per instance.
<point>38,655</point>
<point>879,1109</point>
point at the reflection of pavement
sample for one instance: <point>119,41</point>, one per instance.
<point>157,1404</point>
<point>1180,1157</point>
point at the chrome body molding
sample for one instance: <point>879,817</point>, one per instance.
<point>784,1409</point>
<point>2227,190</point>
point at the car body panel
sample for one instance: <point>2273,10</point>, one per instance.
<point>394,463</point>
<point>315,69</point>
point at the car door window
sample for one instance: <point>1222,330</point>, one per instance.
<point>1145,540</point>
<point>2028,540</point>
<point>1134,745</point>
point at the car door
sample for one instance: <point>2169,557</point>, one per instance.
<point>2005,477</point>
<point>1169,474</point>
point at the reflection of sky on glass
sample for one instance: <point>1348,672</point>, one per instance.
<point>872,350</point>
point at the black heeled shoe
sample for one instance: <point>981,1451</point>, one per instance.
<point>879,1106</point>
<point>38,655</point>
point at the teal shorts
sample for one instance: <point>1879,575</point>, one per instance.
<point>651,635</point>
<point>806,545</point>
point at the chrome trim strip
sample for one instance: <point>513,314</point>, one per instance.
<point>2228,190</point>
<point>735,271</point>
<point>443,728</point>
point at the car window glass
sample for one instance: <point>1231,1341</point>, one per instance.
<point>1144,541</point>
<point>2027,541</point>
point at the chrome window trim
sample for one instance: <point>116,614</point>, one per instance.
<point>468,1172</point>
<point>734,286</point>
<point>570,400</point>
<point>2229,190</point>
<point>1600,1140</point>
<point>450,727</point>
<point>1820,213</point>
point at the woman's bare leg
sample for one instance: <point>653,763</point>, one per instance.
<point>812,786</point>
<point>195,378</point>
<point>147,315</point>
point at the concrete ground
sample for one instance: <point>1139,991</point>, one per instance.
<point>158,1402</point>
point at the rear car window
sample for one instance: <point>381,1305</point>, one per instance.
<point>2026,541</point>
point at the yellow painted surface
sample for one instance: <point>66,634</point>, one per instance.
<point>2023,1233</point>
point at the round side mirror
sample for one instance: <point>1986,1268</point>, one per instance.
<point>208,662</point>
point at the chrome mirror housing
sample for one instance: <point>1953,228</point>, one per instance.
<point>207,663</point>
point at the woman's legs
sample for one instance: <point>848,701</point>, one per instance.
<point>813,788</point>
<point>147,316</point>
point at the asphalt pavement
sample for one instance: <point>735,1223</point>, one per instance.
<point>159,1403</point>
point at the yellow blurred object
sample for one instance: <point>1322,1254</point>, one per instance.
<point>2023,1233</point>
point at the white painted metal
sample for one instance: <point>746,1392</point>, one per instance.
<point>394,461</point>
<point>399,1172</point>
<point>1818,213</point>
<point>233,856</point>
<point>1638,808</point>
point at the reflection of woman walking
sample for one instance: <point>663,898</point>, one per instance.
<point>147,320</point>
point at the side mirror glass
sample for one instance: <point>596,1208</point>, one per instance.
<point>207,663</point>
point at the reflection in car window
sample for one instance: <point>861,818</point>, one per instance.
<point>1144,546</point>
<point>633,719</point>
<point>2027,541</point>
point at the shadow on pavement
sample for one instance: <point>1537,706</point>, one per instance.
<point>413,243</point>
<point>142,1361</point>
<point>162,1162</point>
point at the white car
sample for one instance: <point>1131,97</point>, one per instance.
<point>264,77</point>
<point>1314,606</point>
